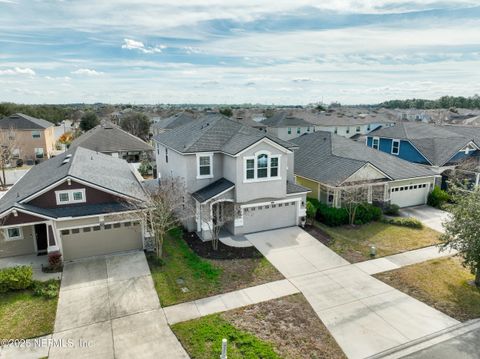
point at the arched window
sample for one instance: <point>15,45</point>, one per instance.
<point>262,166</point>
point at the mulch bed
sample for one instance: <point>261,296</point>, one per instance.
<point>320,235</point>
<point>205,249</point>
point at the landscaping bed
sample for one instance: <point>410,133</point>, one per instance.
<point>441,283</point>
<point>353,242</point>
<point>186,271</point>
<point>282,328</point>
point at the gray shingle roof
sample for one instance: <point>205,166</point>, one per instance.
<point>109,138</point>
<point>174,121</point>
<point>212,190</point>
<point>332,159</point>
<point>24,122</point>
<point>296,188</point>
<point>283,119</point>
<point>438,144</point>
<point>215,133</point>
<point>110,173</point>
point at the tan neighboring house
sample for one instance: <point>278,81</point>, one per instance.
<point>81,203</point>
<point>34,137</point>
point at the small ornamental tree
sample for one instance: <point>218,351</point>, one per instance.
<point>89,120</point>
<point>462,230</point>
<point>8,143</point>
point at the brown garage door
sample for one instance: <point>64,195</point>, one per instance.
<point>98,240</point>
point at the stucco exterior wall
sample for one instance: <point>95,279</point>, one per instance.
<point>26,143</point>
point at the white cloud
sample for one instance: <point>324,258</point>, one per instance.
<point>18,71</point>
<point>87,72</point>
<point>130,44</point>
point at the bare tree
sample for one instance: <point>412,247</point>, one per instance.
<point>217,215</point>
<point>168,205</point>
<point>8,144</point>
<point>353,197</point>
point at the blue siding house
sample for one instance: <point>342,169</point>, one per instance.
<point>427,144</point>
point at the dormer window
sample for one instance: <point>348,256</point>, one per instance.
<point>261,167</point>
<point>70,196</point>
<point>204,165</point>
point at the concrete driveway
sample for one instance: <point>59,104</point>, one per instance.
<point>108,308</point>
<point>429,216</point>
<point>364,315</point>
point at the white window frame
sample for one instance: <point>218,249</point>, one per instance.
<point>39,148</point>
<point>16,238</point>
<point>398,147</point>
<point>200,155</point>
<point>377,139</point>
<point>35,133</point>
<point>255,167</point>
<point>70,193</point>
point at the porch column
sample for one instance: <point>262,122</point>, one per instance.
<point>369,194</point>
<point>386,192</point>
<point>477,179</point>
<point>51,239</point>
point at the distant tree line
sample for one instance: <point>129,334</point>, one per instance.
<point>446,102</point>
<point>52,113</point>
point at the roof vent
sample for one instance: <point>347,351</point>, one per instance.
<point>68,156</point>
<point>66,160</point>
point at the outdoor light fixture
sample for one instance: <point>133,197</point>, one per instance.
<point>373,251</point>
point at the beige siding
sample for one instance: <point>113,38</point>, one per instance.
<point>18,247</point>
<point>104,241</point>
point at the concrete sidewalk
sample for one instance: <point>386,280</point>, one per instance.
<point>364,315</point>
<point>227,301</point>
<point>400,260</point>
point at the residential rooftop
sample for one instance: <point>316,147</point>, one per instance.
<point>284,119</point>
<point>20,121</point>
<point>109,138</point>
<point>332,159</point>
<point>215,133</point>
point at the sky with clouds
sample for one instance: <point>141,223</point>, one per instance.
<point>237,51</point>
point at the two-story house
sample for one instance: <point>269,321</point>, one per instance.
<point>286,126</point>
<point>222,160</point>
<point>438,147</point>
<point>33,138</point>
<point>81,203</point>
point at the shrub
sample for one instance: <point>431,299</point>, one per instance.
<point>437,197</point>
<point>55,259</point>
<point>15,278</point>
<point>404,222</point>
<point>331,216</point>
<point>311,212</point>
<point>47,290</point>
<point>391,210</point>
<point>367,213</point>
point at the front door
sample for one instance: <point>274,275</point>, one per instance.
<point>41,237</point>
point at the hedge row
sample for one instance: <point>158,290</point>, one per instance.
<point>404,222</point>
<point>333,217</point>
<point>15,278</point>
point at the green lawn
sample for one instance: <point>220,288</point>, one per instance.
<point>441,283</point>
<point>353,243</point>
<point>23,315</point>
<point>202,338</point>
<point>182,268</point>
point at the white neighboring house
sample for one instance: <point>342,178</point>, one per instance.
<point>222,160</point>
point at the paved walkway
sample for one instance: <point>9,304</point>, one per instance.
<point>364,315</point>
<point>399,260</point>
<point>232,300</point>
<point>30,260</point>
<point>429,216</point>
<point>108,308</point>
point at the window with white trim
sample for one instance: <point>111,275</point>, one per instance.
<point>263,166</point>
<point>289,130</point>
<point>375,143</point>
<point>16,153</point>
<point>39,152</point>
<point>70,196</point>
<point>13,234</point>
<point>357,129</point>
<point>204,165</point>
<point>298,130</point>
<point>395,147</point>
<point>35,134</point>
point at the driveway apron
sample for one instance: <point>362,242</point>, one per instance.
<point>108,308</point>
<point>365,315</point>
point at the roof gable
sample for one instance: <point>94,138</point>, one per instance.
<point>24,122</point>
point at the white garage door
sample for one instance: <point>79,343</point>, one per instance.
<point>100,240</point>
<point>271,216</point>
<point>409,195</point>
